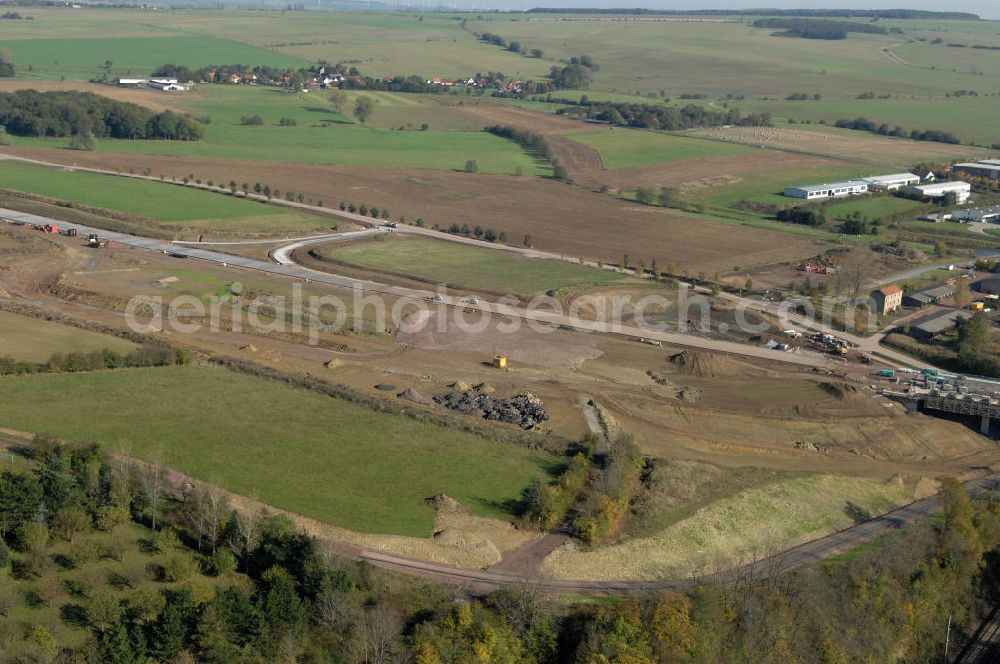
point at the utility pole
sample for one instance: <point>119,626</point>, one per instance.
<point>947,639</point>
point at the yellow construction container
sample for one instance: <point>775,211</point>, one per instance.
<point>976,306</point>
<point>500,361</point>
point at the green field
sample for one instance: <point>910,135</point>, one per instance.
<point>175,206</point>
<point>469,267</point>
<point>623,148</point>
<point>872,207</point>
<point>323,136</point>
<point>325,458</point>
<point>34,340</point>
<point>80,58</point>
<point>767,186</point>
<point>969,118</point>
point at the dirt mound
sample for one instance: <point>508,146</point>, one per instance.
<point>333,364</point>
<point>442,503</point>
<point>414,396</point>
<point>460,386</point>
<point>689,394</point>
<point>842,391</point>
<point>485,388</point>
<point>248,348</point>
<point>385,387</point>
<point>708,365</point>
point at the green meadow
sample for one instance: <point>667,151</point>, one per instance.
<point>175,206</point>
<point>328,459</point>
<point>321,135</point>
<point>463,266</point>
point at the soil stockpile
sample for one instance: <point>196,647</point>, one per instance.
<point>707,365</point>
<point>524,410</point>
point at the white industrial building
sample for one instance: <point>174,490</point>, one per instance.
<point>166,85</point>
<point>892,182</point>
<point>962,190</point>
<point>990,214</point>
<point>987,168</point>
<point>832,190</point>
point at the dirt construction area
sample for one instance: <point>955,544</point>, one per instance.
<point>750,455</point>
<point>558,218</point>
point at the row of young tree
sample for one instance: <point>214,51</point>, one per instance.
<point>7,67</point>
<point>74,113</point>
<point>279,597</point>
<point>883,129</point>
<point>533,142</point>
<point>668,118</point>
<point>149,355</point>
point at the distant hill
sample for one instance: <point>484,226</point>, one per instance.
<point>804,13</point>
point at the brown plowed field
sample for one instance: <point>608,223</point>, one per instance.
<point>706,170</point>
<point>583,162</point>
<point>498,114</point>
<point>152,99</point>
<point>559,217</point>
<point>847,144</point>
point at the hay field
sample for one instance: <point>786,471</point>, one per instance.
<point>321,457</point>
<point>720,56</point>
<point>34,340</point>
<point>845,144</point>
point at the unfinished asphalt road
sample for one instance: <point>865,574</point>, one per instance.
<point>534,316</point>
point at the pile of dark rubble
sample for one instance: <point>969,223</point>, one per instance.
<point>524,410</point>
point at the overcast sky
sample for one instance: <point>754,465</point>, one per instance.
<point>985,8</point>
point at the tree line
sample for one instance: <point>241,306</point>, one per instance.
<point>883,129</point>
<point>72,113</point>
<point>149,355</point>
<point>7,67</point>
<point>826,13</point>
<point>808,28</point>
<point>531,141</point>
<point>668,118</point>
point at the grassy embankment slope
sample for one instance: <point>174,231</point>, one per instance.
<point>29,339</point>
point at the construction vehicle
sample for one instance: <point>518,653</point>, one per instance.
<point>500,361</point>
<point>48,228</point>
<point>69,232</point>
<point>887,373</point>
<point>96,242</point>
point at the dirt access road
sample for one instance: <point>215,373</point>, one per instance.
<point>794,558</point>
